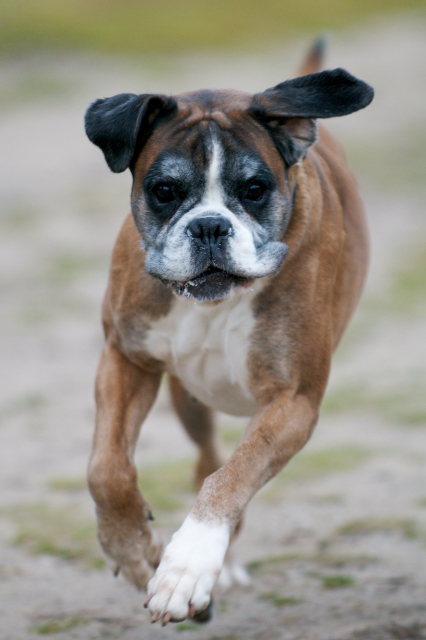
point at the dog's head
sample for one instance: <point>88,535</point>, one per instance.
<point>210,195</point>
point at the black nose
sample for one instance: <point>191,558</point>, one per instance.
<point>210,230</point>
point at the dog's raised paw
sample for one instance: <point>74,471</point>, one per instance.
<point>136,558</point>
<point>183,582</point>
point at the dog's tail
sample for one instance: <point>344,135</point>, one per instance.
<point>315,58</point>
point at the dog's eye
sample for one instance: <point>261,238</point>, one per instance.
<point>163,193</point>
<point>255,191</point>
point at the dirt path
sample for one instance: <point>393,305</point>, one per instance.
<point>336,545</point>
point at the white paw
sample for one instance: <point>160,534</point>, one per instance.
<point>191,564</point>
<point>231,575</point>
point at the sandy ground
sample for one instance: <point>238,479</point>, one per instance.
<point>336,545</point>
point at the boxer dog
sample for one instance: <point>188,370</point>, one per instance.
<point>236,274</point>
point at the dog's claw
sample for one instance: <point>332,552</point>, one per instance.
<point>155,617</point>
<point>146,603</point>
<point>166,619</point>
<point>116,570</point>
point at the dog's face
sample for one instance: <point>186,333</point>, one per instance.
<point>210,209</point>
<point>210,194</point>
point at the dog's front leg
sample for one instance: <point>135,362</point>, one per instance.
<point>192,561</point>
<point>124,395</point>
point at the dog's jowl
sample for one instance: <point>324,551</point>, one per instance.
<point>236,274</point>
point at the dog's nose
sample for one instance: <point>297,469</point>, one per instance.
<point>209,230</point>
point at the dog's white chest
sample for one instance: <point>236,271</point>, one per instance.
<point>206,347</point>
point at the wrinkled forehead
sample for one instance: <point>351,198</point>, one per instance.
<point>205,123</point>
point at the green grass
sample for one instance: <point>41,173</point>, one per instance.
<point>272,564</point>
<point>56,531</point>
<point>167,486</point>
<point>58,624</point>
<point>405,405</point>
<point>21,216</point>
<point>155,26</point>
<point>336,582</point>
<point>187,626</point>
<point>405,295</point>
<point>66,268</point>
<point>337,561</point>
<point>69,484</point>
<point>278,600</point>
<point>395,163</point>
<point>366,526</point>
<point>34,86</point>
<point>29,403</point>
<point>407,292</point>
<point>231,433</point>
<point>308,465</point>
<point>275,565</point>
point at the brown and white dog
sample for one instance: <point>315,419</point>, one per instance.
<point>236,274</point>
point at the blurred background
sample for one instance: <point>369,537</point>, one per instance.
<point>336,544</point>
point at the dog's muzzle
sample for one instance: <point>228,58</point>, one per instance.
<point>208,257</point>
<point>209,236</point>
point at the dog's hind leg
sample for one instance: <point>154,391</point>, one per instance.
<point>199,424</point>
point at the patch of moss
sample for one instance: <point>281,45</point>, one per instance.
<point>27,403</point>
<point>366,526</point>
<point>337,581</point>
<point>21,216</point>
<point>339,561</point>
<point>187,626</point>
<point>408,287</point>
<point>57,531</point>
<point>66,268</point>
<point>167,486</point>
<point>231,434</point>
<point>313,464</point>
<point>405,405</point>
<point>70,484</point>
<point>278,600</point>
<point>58,624</point>
<point>398,164</point>
<point>271,564</point>
<point>33,86</point>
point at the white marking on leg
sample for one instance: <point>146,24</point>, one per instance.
<point>189,569</point>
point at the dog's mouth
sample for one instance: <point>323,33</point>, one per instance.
<point>212,284</point>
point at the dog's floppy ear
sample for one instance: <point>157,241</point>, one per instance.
<point>121,124</point>
<point>289,110</point>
